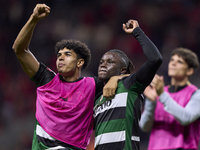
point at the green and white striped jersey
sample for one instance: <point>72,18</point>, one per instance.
<point>116,120</point>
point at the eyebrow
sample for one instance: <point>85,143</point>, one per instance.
<point>65,52</point>
<point>107,59</point>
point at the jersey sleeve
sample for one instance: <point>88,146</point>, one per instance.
<point>146,72</point>
<point>43,75</point>
<point>185,115</point>
<point>147,117</point>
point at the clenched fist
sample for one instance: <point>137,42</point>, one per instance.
<point>40,11</point>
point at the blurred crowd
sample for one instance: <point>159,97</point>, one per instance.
<point>168,23</point>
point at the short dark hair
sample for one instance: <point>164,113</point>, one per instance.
<point>127,62</point>
<point>81,49</point>
<point>189,56</point>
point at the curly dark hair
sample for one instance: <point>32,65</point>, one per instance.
<point>127,62</point>
<point>189,56</point>
<point>81,49</point>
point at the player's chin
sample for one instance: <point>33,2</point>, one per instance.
<point>171,74</point>
<point>61,72</point>
<point>102,77</point>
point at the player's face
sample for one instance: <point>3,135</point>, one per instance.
<point>109,66</point>
<point>177,67</point>
<point>66,62</point>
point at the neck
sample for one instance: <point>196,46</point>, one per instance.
<point>70,78</point>
<point>179,82</point>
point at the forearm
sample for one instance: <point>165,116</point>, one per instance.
<point>185,115</point>
<point>24,37</point>
<point>147,71</point>
<point>119,77</point>
<point>147,118</point>
<point>27,60</point>
<point>150,50</point>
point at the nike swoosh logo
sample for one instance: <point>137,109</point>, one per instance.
<point>65,99</point>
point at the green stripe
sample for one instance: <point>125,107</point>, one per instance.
<point>121,88</point>
<point>137,87</point>
<point>110,126</point>
<point>35,144</point>
<point>129,118</point>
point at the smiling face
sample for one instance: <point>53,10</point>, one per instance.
<point>177,67</point>
<point>110,65</point>
<point>66,62</point>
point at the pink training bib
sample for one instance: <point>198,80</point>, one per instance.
<point>65,110</point>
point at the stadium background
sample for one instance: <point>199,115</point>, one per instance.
<point>98,23</point>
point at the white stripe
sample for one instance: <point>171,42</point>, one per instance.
<point>42,133</point>
<point>118,101</point>
<point>113,137</point>
<point>109,138</point>
<point>135,138</point>
<point>55,148</point>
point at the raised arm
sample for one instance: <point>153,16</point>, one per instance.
<point>147,71</point>
<point>21,45</point>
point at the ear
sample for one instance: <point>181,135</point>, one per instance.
<point>190,71</point>
<point>123,70</point>
<point>80,62</point>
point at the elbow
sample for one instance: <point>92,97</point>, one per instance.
<point>187,118</point>
<point>145,127</point>
<point>159,59</point>
<point>184,123</point>
<point>15,47</point>
<point>18,49</point>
